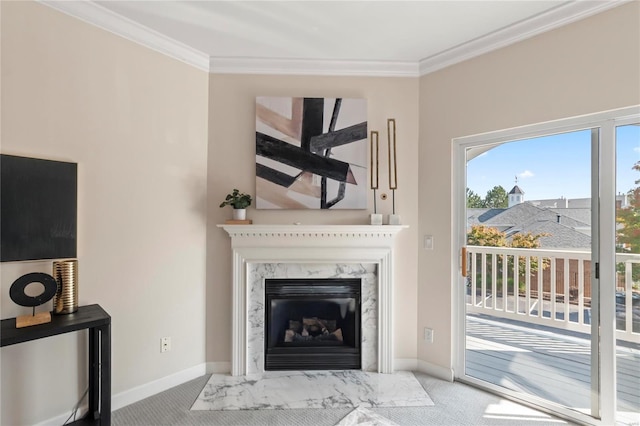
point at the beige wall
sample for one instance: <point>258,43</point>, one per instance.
<point>135,121</point>
<point>159,144</point>
<point>232,165</point>
<point>590,66</point>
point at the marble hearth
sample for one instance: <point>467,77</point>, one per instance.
<point>319,251</point>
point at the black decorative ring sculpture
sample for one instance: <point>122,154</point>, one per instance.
<point>17,294</point>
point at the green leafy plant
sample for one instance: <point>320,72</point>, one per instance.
<point>237,200</point>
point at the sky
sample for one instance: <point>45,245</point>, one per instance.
<point>552,166</point>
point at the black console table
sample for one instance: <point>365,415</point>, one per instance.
<point>98,322</point>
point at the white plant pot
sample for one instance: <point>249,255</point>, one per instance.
<point>239,214</point>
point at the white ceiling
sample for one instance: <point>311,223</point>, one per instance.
<point>329,37</point>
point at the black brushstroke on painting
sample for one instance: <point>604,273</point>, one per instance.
<point>339,137</point>
<point>275,149</point>
<point>312,118</point>
<point>327,153</point>
<point>274,176</point>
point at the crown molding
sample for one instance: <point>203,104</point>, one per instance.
<point>94,14</point>
<point>313,67</point>
<point>546,21</point>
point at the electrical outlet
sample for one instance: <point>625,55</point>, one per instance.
<point>165,344</point>
<point>428,335</point>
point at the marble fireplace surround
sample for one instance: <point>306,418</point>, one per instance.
<point>273,245</point>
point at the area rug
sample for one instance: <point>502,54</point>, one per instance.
<point>311,389</point>
<point>363,417</point>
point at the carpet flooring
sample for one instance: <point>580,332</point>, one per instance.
<point>455,404</point>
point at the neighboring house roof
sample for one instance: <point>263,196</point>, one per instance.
<point>568,228</point>
<point>478,216</point>
<point>579,214</point>
<point>560,236</point>
<point>514,215</point>
<point>549,216</point>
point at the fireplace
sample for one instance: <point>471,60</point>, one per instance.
<point>263,252</point>
<point>312,324</point>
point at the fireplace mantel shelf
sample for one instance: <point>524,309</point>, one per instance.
<point>313,231</point>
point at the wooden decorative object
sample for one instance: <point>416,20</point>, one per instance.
<point>29,320</point>
<point>238,222</point>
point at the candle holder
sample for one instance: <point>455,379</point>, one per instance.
<point>376,219</point>
<point>394,219</point>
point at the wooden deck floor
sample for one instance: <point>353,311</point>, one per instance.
<point>546,364</point>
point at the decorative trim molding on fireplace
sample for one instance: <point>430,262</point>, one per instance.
<point>324,244</point>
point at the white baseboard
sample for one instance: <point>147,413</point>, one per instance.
<point>62,418</point>
<point>148,389</point>
<point>412,364</point>
<point>435,370</point>
<point>405,364</point>
<point>219,367</point>
<point>136,394</point>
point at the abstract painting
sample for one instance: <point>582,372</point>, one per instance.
<point>311,153</point>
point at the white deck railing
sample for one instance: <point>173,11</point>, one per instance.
<point>559,297</point>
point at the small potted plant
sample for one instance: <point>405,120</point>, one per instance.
<point>239,201</point>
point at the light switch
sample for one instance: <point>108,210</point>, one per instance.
<point>428,242</point>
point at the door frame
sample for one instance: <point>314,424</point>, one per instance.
<point>603,226</point>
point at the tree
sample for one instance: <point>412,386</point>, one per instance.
<point>474,201</point>
<point>628,229</point>
<point>496,198</point>
<point>628,218</point>
<point>481,235</point>
<point>527,240</point>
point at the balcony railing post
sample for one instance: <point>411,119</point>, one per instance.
<point>581,292</point>
<point>628,300</point>
<point>553,289</point>
<point>527,285</point>
<point>483,280</point>
<point>516,284</point>
<point>505,282</point>
<point>540,286</point>
<point>567,295</point>
<point>474,278</point>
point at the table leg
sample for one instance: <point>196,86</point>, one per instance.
<point>94,373</point>
<point>105,375</point>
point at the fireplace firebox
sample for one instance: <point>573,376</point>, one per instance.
<point>312,324</point>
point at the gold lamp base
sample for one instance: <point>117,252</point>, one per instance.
<point>65,273</point>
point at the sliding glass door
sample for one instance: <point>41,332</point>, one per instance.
<point>540,285</point>
<point>627,283</point>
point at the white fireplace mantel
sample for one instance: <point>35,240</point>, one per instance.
<point>312,244</point>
